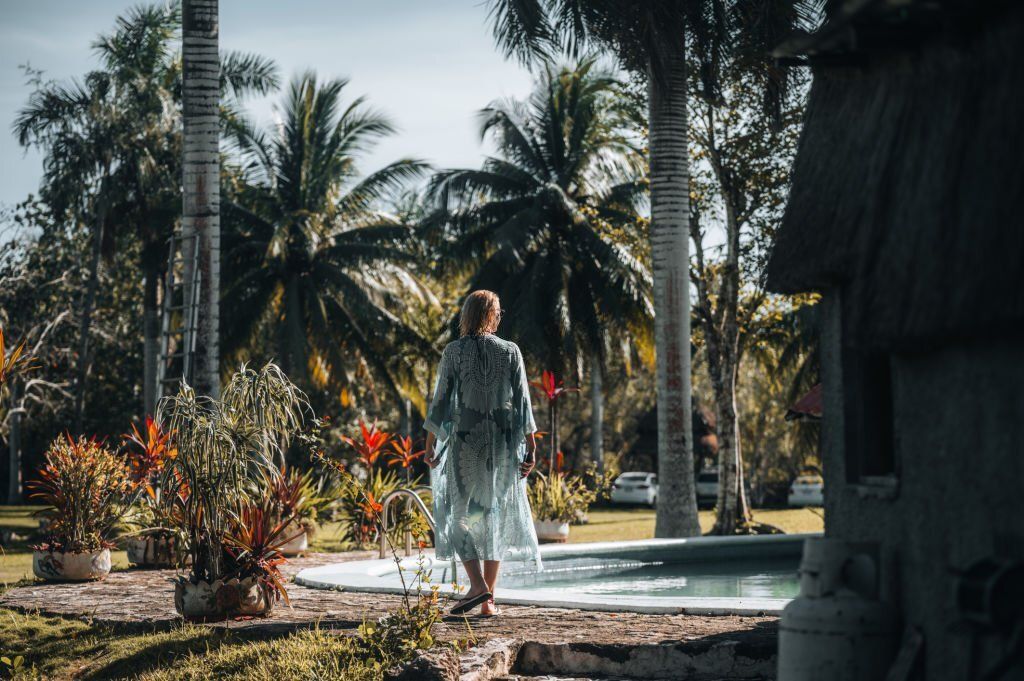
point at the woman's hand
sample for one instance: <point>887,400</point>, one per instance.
<point>530,460</point>
<point>430,456</point>
<point>527,465</point>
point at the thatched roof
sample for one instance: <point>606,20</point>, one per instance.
<point>908,187</point>
<point>808,407</point>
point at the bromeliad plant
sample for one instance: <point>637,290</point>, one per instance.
<point>225,449</point>
<point>88,491</point>
<point>307,498</point>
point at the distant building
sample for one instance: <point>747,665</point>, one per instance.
<point>906,214</point>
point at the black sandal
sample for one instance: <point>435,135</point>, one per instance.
<point>467,604</point>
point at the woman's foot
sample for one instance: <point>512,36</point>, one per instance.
<point>489,609</point>
<point>474,598</point>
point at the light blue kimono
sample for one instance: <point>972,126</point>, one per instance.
<point>481,415</point>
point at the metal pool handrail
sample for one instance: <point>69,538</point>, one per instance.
<point>411,494</point>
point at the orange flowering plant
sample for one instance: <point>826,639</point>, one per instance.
<point>403,454</point>
<point>147,452</point>
<point>88,491</point>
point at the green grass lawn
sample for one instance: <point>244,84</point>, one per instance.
<point>614,524</point>
<point>57,648</point>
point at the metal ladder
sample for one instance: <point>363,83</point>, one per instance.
<point>180,317</point>
<point>412,495</point>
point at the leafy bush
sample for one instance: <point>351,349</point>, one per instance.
<point>559,497</point>
<point>88,490</point>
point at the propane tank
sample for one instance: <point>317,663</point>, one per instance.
<point>837,629</point>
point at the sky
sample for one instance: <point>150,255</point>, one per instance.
<point>429,65</point>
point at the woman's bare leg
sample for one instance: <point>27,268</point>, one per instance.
<point>477,583</point>
<point>491,574</point>
<point>491,578</point>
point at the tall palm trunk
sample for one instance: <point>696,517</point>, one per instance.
<point>200,223</point>
<point>597,414</point>
<point>670,208</point>
<point>14,447</point>
<point>151,339</point>
<point>88,303</point>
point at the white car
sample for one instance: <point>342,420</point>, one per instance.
<point>635,488</point>
<point>807,490</point>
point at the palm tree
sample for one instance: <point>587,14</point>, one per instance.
<point>540,223</point>
<point>310,262</point>
<point>122,121</point>
<point>650,38</point>
<point>200,222</point>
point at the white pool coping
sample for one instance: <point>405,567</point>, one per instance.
<point>380,576</point>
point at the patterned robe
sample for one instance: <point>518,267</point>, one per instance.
<point>481,415</point>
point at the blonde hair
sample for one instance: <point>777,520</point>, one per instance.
<point>480,313</point>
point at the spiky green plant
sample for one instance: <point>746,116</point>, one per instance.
<point>226,447</point>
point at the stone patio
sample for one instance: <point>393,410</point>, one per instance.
<point>142,599</point>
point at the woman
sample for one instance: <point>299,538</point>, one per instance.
<point>481,445</point>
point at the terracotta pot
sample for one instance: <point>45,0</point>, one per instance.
<point>299,542</point>
<point>551,531</point>
<point>71,567</point>
<point>205,602</point>
<point>152,550</point>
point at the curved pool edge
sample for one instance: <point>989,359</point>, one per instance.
<point>371,576</point>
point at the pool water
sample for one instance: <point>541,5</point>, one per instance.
<point>774,578</point>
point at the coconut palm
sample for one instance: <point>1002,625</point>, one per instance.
<point>650,38</point>
<point>540,222</point>
<point>313,270</point>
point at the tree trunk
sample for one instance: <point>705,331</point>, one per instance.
<point>14,448</point>
<point>88,303</point>
<point>201,178</point>
<point>151,341</point>
<point>597,414</point>
<point>670,206</point>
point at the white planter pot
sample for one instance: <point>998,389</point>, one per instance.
<point>298,544</point>
<point>151,551</point>
<point>71,567</point>
<point>551,531</point>
<point>204,602</point>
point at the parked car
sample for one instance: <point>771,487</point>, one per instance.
<point>807,490</point>
<point>635,488</point>
<point>707,488</point>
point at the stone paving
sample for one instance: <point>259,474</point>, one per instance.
<point>143,599</point>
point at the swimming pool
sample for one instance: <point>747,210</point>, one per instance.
<point>699,575</point>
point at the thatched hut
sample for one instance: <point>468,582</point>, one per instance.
<point>905,213</point>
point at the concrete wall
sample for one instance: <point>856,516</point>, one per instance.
<point>959,422</point>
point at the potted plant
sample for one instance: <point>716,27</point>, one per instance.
<point>88,492</point>
<point>158,543</point>
<point>556,501</point>
<point>226,448</point>
<point>304,500</point>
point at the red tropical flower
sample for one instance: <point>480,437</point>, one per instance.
<point>550,387</point>
<point>369,448</point>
